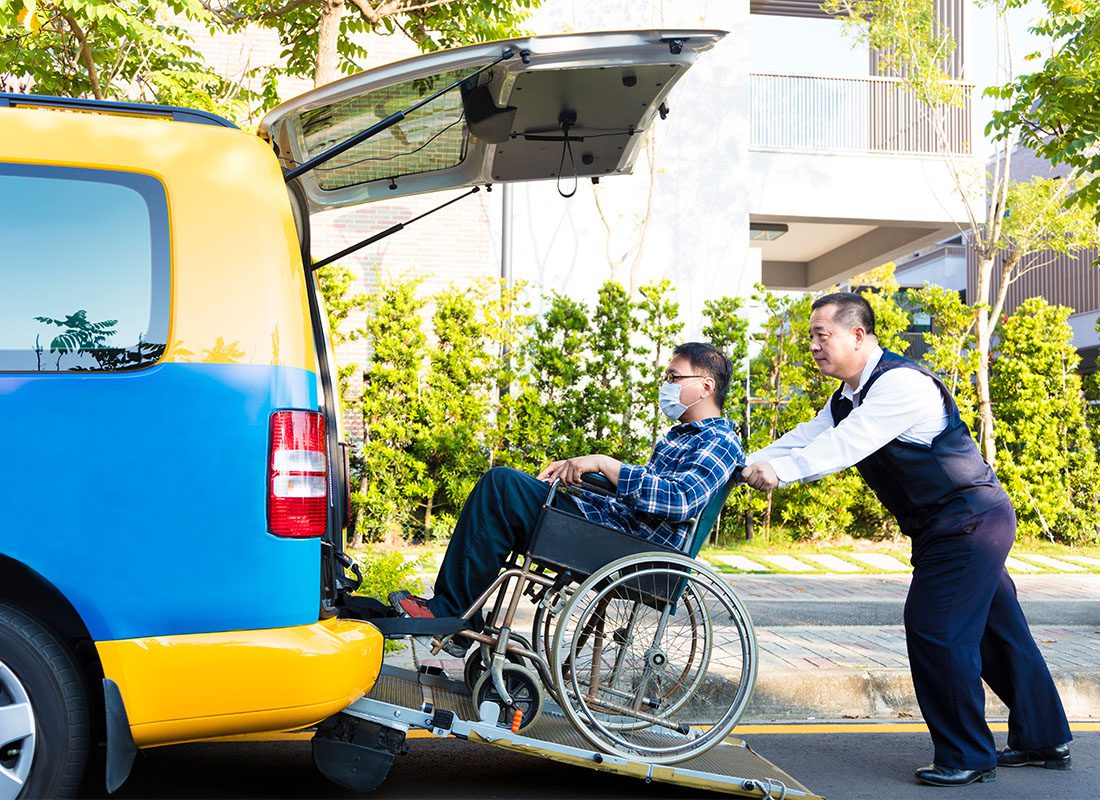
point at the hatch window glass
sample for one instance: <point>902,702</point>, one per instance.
<point>85,269</point>
<point>429,139</point>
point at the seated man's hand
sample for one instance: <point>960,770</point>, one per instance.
<point>760,476</point>
<point>570,470</point>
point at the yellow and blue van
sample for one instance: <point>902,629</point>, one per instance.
<point>174,493</point>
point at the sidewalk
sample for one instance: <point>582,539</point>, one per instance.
<point>855,671</point>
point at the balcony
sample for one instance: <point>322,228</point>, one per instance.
<point>818,114</point>
<point>856,170</point>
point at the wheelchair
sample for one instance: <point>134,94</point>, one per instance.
<point>646,651</point>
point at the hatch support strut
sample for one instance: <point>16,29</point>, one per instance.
<point>324,262</point>
<point>388,122</point>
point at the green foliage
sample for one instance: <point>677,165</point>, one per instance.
<point>430,25</point>
<point>393,477</point>
<point>726,328</point>
<point>1054,109</point>
<point>335,282</point>
<point>114,49</point>
<point>386,571</point>
<point>608,402</point>
<point>909,40</point>
<point>659,329</point>
<point>1046,457</point>
<point>494,385</point>
<point>952,353</point>
<point>455,404</point>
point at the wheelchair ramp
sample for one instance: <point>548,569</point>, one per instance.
<point>403,697</point>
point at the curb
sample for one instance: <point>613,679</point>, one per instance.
<point>884,694</point>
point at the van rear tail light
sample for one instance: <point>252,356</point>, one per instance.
<point>297,478</point>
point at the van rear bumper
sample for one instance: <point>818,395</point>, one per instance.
<point>199,686</point>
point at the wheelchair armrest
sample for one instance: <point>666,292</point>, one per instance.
<point>596,483</point>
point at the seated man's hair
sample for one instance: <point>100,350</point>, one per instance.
<point>851,309</point>
<point>712,361</point>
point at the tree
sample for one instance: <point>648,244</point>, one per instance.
<point>728,330</point>
<point>1047,459</point>
<point>113,49</point>
<point>393,478</point>
<point>951,354</point>
<point>79,335</point>
<point>455,404</point>
<point>322,39</point>
<point>335,282</point>
<point>1054,110</point>
<point>1023,221</point>
<point>608,402</point>
<point>659,327</point>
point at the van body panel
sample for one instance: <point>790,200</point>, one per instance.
<point>231,227</point>
<point>157,487</point>
<point>183,688</point>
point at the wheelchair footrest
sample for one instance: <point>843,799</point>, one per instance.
<point>390,624</point>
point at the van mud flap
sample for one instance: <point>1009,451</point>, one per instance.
<point>428,700</point>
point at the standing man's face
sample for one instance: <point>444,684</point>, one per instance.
<point>839,351</point>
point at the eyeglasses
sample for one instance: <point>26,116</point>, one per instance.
<point>672,377</point>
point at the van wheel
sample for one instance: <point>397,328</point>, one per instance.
<point>44,727</point>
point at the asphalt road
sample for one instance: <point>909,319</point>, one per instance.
<point>839,766</point>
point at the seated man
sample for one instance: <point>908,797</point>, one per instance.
<point>654,501</point>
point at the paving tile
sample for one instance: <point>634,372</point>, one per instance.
<point>741,563</point>
<point>1087,560</point>
<point>789,563</point>
<point>1052,563</point>
<point>1016,565</point>
<point>832,563</point>
<point>881,561</point>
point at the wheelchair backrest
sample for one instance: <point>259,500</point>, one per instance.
<point>710,513</point>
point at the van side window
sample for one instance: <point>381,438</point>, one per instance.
<point>84,260</point>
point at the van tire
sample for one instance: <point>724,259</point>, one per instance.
<point>39,669</point>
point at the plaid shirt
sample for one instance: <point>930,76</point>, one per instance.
<point>657,501</point>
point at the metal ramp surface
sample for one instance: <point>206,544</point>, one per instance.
<point>408,700</point>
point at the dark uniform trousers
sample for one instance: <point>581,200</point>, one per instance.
<point>497,518</point>
<point>963,624</point>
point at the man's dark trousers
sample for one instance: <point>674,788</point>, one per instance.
<point>497,518</point>
<point>964,623</point>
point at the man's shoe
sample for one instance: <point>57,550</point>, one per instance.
<point>1048,757</point>
<point>946,776</point>
<point>407,604</point>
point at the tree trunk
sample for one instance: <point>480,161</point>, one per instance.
<point>326,69</point>
<point>984,330</point>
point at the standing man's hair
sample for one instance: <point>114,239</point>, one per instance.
<point>851,309</point>
<point>711,360</point>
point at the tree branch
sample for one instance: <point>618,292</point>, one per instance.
<point>85,54</point>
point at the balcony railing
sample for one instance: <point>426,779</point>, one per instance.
<point>852,115</point>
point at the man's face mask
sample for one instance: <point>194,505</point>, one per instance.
<point>669,401</point>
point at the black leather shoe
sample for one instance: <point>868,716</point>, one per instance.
<point>1048,757</point>
<point>946,776</point>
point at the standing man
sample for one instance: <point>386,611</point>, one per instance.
<point>899,426</point>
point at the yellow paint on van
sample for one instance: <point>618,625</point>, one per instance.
<point>199,686</point>
<point>238,288</point>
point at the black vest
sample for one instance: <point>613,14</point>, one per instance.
<point>933,488</point>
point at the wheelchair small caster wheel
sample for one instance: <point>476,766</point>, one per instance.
<point>475,666</point>
<point>525,689</point>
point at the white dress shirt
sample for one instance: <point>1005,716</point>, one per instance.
<point>902,404</point>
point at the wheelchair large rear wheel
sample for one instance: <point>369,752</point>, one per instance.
<point>654,657</point>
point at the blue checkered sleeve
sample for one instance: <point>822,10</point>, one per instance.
<point>675,486</point>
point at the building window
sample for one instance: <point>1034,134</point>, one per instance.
<point>85,267</point>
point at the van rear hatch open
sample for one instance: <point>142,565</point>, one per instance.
<point>552,107</point>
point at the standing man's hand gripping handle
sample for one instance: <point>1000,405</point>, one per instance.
<point>760,476</point>
<point>570,470</point>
